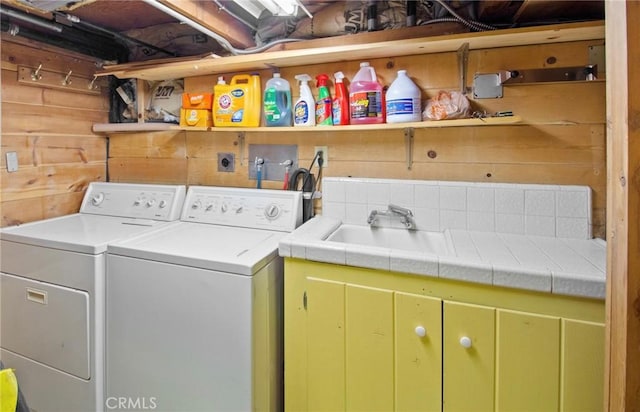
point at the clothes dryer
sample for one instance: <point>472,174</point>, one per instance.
<point>52,291</point>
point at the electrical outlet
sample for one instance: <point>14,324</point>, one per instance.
<point>226,162</point>
<point>325,154</point>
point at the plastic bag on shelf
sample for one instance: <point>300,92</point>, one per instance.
<point>446,105</point>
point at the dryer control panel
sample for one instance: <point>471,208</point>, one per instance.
<point>138,201</point>
<point>278,210</point>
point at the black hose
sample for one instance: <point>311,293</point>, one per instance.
<point>302,179</point>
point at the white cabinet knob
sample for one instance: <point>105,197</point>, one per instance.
<point>465,341</point>
<point>421,331</point>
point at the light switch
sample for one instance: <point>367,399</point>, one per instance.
<point>12,161</point>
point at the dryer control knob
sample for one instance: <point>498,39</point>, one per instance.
<point>224,208</point>
<point>97,199</point>
<point>272,211</point>
<point>196,205</point>
<point>162,204</point>
<point>151,202</point>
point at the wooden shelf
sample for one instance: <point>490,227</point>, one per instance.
<point>179,68</point>
<point>141,127</point>
<point>152,127</point>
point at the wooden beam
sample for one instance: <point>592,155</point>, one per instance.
<point>622,380</point>
<point>207,14</point>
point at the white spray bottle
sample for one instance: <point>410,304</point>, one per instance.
<point>304,112</point>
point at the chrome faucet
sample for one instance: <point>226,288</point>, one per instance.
<point>405,215</point>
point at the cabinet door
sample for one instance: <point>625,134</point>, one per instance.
<point>528,362</point>
<point>325,345</point>
<point>469,346</point>
<point>582,366</point>
<point>369,349</point>
<point>418,353</point>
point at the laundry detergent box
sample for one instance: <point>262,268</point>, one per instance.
<point>238,103</point>
<point>197,101</point>
<point>196,118</point>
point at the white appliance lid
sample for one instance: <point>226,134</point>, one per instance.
<point>228,249</point>
<point>81,233</point>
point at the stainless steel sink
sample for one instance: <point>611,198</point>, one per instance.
<point>402,239</point>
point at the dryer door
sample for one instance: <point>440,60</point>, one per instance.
<point>46,323</point>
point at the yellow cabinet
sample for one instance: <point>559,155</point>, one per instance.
<point>370,349</point>
<point>363,340</point>
<point>528,361</point>
<point>469,357</point>
<point>418,352</point>
<point>582,366</point>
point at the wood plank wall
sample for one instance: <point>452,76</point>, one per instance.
<point>51,132</point>
<point>561,141</point>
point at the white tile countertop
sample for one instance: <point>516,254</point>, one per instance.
<point>547,247</point>
<point>574,267</point>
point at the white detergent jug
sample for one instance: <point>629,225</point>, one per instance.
<point>403,100</point>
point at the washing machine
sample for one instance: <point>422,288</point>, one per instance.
<point>195,312</point>
<point>52,291</point>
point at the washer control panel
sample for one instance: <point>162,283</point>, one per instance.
<point>278,210</point>
<point>138,201</point>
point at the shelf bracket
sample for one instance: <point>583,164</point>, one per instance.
<point>463,62</point>
<point>241,144</point>
<point>408,144</point>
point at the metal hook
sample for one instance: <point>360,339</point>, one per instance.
<point>92,84</point>
<point>67,79</point>
<point>35,75</point>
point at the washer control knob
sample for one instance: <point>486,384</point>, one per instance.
<point>209,207</point>
<point>138,201</point>
<point>151,202</point>
<point>196,205</point>
<point>162,204</point>
<point>272,211</point>
<point>97,199</point>
<point>224,207</point>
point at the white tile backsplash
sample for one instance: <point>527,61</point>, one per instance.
<point>509,201</point>
<point>523,209</point>
<point>333,191</point>
<point>452,219</point>
<point>402,194</point>
<point>334,209</point>
<point>482,221</point>
<point>378,193</point>
<point>427,195</point>
<point>481,199</point>
<point>510,223</point>
<point>356,214</point>
<point>539,203</point>
<point>453,197</point>
<point>540,225</point>
<point>572,203</point>
<point>355,192</point>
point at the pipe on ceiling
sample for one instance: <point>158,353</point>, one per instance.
<point>32,20</point>
<point>220,39</point>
